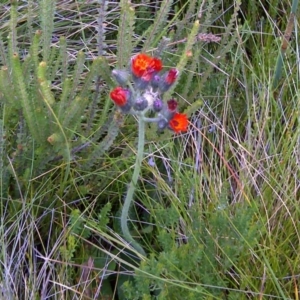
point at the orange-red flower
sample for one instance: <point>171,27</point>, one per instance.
<point>179,122</point>
<point>119,96</point>
<point>145,66</point>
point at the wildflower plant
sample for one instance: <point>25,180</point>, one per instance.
<point>140,92</point>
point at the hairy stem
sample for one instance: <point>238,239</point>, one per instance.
<point>130,192</point>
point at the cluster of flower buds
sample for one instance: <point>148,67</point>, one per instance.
<point>141,88</point>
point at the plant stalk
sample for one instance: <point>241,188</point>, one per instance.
<point>130,192</point>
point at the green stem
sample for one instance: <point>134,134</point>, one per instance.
<point>129,197</point>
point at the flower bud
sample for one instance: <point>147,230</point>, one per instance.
<point>169,110</point>
<point>120,96</point>
<point>140,104</point>
<point>155,81</point>
<point>168,79</point>
<point>141,83</point>
<point>172,105</point>
<point>126,108</point>
<point>121,76</point>
<point>171,76</point>
<point>162,124</point>
<point>157,105</point>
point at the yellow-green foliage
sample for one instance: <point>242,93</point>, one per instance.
<point>52,118</point>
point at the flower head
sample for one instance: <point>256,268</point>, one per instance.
<point>179,122</point>
<point>144,66</point>
<point>119,96</point>
<point>146,92</point>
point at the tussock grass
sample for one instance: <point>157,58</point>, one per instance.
<point>217,208</point>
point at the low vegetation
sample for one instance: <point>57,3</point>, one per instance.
<point>215,208</point>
